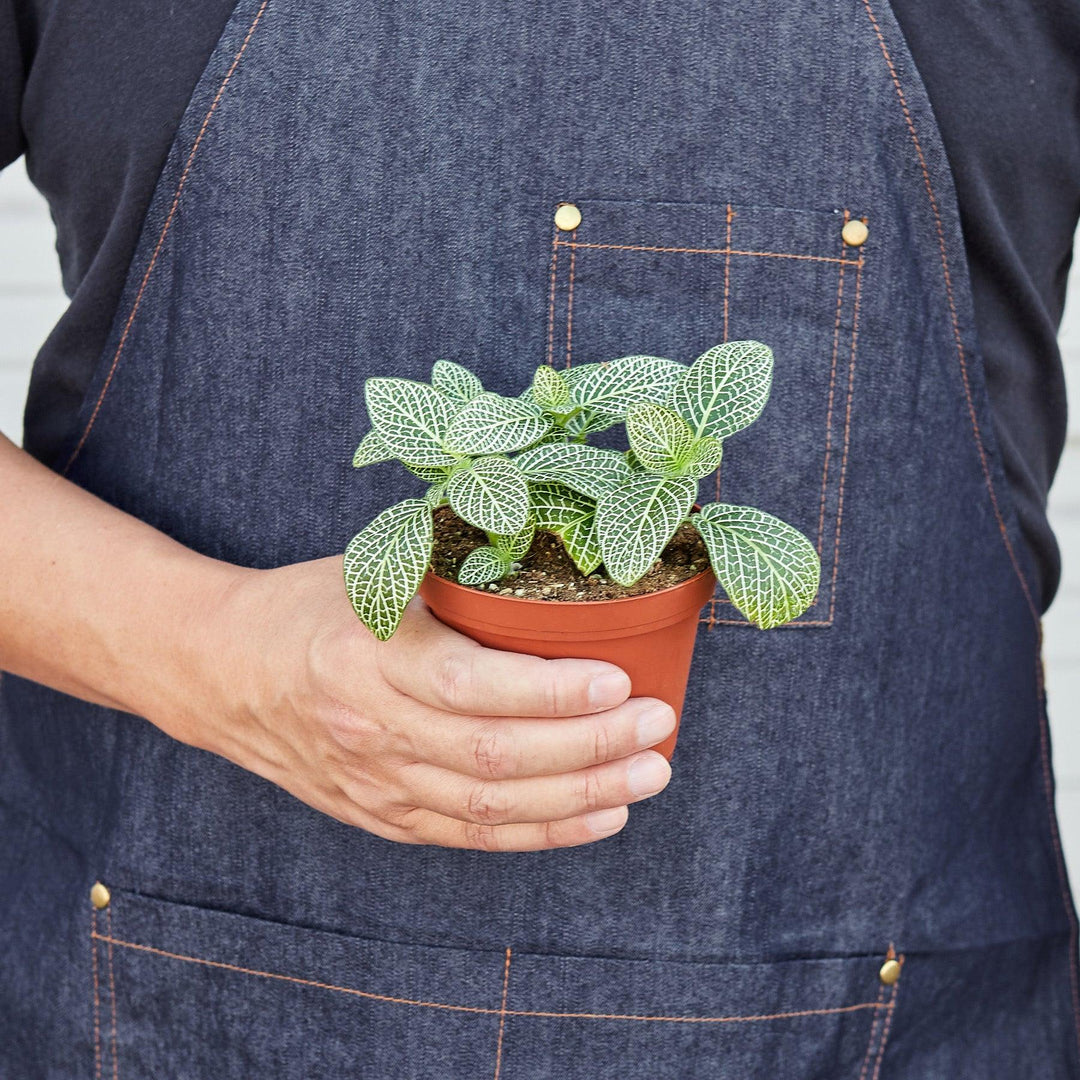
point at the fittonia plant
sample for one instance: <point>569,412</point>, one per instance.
<point>511,466</point>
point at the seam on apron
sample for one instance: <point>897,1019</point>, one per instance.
<point>873,1034</point>
<point>112,994</point>
<point>847,437</point>
<point>832,388</point>
<point>727,296</point>
<point>1074,976</point>
<point>502,1011</point>
<point>164,233</point>
<point>889,1013</point>
<point>502,1015</point>
<point>705,251</point>
<point>97,994</point>
<point>551,296</point>
<point>570,299</point>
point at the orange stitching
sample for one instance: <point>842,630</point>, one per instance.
<point>502,1012</point>
<point>847,439</point>
<point>727,267</point>
<point>727,293</point>
<point>873,1034</point>
<point>888,1026</point>
<point>570,303</point>
<point>840,1009</point>
<point>953,315</point>
<point>551,296</point>
<point>112,994</point>
<point>829,411</point>
<point>705,251</point>
<point>161,237</point>
<point>712,620</point>
<point>97,998</point>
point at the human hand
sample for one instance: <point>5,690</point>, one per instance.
<point>428,738</point>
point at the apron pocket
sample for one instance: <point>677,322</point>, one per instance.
<point>185,991</point>
<point>674,278</point>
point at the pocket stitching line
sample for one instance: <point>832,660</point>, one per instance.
<point>112,994</point>
<point>97,996</point>
<point>832,1011</point>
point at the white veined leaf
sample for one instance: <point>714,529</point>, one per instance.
<point>768,569</point>
<point>482,565</point>
<point>436,494</point>
<point>385,563</point>
<point>636,521</point>
<point>572,517</point>
<point>591,470</point>
<point>705,457</point>
<point>492,424</point>
<point>432,474</point>
<point>371,450</point>
<point>612,387</point>
<point>455,381</point>
<point>491,494</point>
<point>589,420</point>
<point>725,388</point>
<point>517,545</point>
<point>411,418</point>
<point>549,389</point>
<point>660,438</point>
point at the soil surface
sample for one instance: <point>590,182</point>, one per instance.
<point>547,571</point>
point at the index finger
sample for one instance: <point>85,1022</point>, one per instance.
<point>432,663</point>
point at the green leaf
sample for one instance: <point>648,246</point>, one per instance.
<point>571,517</point>
<point>705,457</point>
<point>482,565</point>
<point>589,469</point>
<point>491,494</point>
<point>385,563</point>
<point>455,381</point>
<point>589,420</point>
<point>436,494</point>
<point>549,389</point>
<point>725,389</point>
<point>637,519</point>
<point>492,424</point>
<point>515,546</point>
<point>432,474</point>
<point>612,387</point>
<point>768,569</point>
<point>660,438</point>
<point>411,419</point>
<point>371,450</point>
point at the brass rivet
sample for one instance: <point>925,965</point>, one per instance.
<point>855,232</point>
<point>890,972</point>
<point>99,895</point>
<point>567,217</point>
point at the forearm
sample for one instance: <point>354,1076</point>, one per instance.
<point>93,601</point>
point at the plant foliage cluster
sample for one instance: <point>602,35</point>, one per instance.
<point>512,465</point>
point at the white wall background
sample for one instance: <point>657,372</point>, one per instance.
<point>31,301</point>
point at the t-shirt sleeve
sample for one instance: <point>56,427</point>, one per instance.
<point>14,50</point>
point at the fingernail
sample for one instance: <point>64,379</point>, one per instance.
<point>648,774</point>
<point>655,724</point>
<point>605,821</point>
<point>607,691</point>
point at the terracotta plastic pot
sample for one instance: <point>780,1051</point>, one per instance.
<point>650,637</point>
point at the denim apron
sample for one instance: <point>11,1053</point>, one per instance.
<point>855,871</point>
